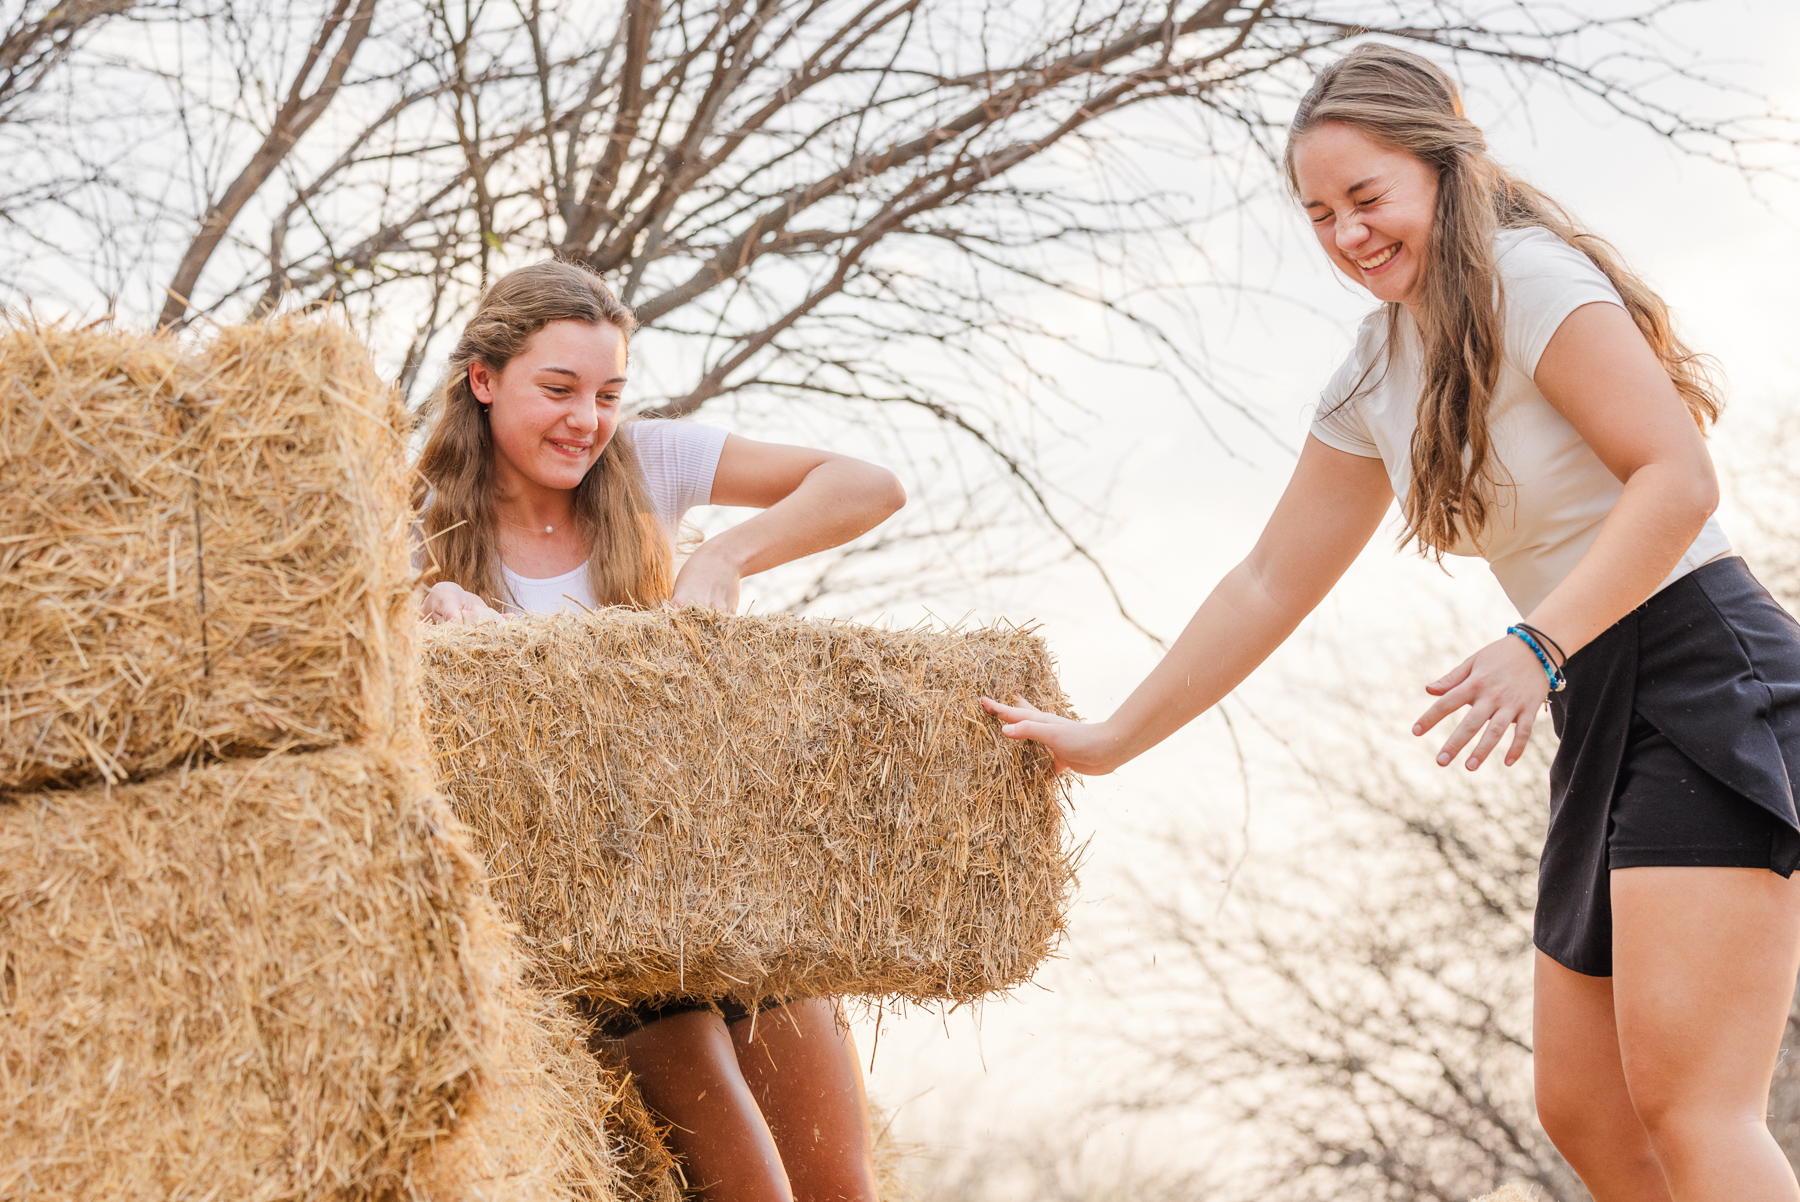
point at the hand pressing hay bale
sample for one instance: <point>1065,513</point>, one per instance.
<point>203,552</point>
<point>247,981</point>
<point>754,806</point>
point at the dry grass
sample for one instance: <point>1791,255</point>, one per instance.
<point>97,577</point>
<point>201,552</point>
<point>281,975</point>
<point>754,806</point>
<point>647,1170</point>
<point>304,512</point>
<point>539,1122</point>
<point>248,979</point>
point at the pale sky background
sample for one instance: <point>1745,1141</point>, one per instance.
<point>1725,254</point>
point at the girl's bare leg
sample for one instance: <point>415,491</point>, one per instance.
<point>1582,1099</point>
<point>687,1067</point>
<point>1704,961</point>
<point>803,1069</point>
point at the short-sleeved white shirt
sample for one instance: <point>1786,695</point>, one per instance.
<point>1560,490</point>
<point>679,460</point>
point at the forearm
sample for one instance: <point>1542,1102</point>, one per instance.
<point>838,500</point>
<point>1655,520</point>
<point>1239,625</point>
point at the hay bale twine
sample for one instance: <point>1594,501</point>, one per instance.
<point>246,981</point>
<point>754,806</point>
<point>205,551</point>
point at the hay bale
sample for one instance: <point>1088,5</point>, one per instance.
<point>534,1125</point>
<point>648,1170</point>
<point>245,981</point>
<point>304,512</point>
<point>203,553</point>
<point>754,806</point>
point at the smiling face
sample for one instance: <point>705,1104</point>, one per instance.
<point>554,407</point>
<point>1371,207</point>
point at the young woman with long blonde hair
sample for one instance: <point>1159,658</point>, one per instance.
<point>537,496</point>
<point>1523,395</point>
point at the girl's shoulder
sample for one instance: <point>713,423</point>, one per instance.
<point>677,460</point>
<point>660,436</point>
<point>1532,252</point>
<point>1543,279</point>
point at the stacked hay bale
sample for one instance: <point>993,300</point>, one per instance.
<point>244,951</point>
<point>204,555</point>
<point>754,807</point>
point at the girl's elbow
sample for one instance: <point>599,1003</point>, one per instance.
<point>1703,494</point>
<point>1709,497</point>
<point>886,493</point>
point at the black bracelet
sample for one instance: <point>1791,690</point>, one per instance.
<point>1562,656</point>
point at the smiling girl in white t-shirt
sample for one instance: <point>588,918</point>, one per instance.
<point>1523,395</point>
<point>536,497</point>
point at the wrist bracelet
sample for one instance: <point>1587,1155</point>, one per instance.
<point>1551,671</point>
<point>1562,657</point>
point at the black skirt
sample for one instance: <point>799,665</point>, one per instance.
<point>617,1024</point>
<point>1680,732</point>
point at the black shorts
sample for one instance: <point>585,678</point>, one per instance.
<point>617,1024</point>
<point>1680,734</point>
<point>1671,812</point>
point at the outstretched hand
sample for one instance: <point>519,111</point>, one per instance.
<point>1503,685</point>
<point>1083,747</point>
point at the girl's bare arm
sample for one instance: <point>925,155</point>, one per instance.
<point>1331,508</point>
<point>811,500</point>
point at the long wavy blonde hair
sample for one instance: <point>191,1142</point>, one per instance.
<point>630,561</point>
<point>1404,101</point>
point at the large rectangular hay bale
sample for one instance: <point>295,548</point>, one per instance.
<point>247,981</point>
<point>200,551</point>
<point>754,806</point>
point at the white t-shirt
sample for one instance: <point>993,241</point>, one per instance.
<point>1562,492</point>
<point>679,460</point>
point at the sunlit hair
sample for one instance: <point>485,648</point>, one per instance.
<point>629,560</point>
<point>1402,100</point>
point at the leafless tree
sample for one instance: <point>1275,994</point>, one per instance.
<point>852,209</point>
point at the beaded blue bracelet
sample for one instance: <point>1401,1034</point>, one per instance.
<point>1551,671</point>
